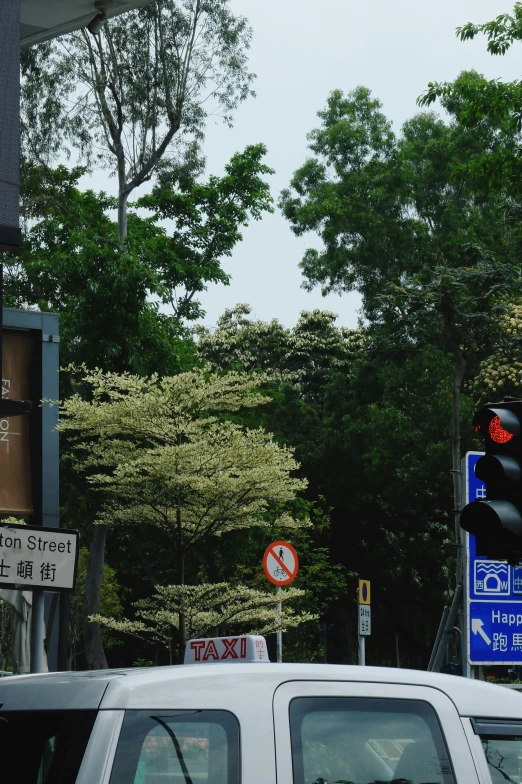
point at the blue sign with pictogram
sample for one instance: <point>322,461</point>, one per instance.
<point>494,597</point>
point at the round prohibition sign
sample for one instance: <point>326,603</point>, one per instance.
<point>280,563</point>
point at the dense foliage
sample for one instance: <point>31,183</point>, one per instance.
<point>187,450</point>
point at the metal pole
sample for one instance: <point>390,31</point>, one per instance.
<point>440,631</point>
<point>63,632</point>
<point>438,653</point>
<point>360,638</point>
<point>37,632</point>
<point>362,651</point>
<point>279,633</point>
<point>464,637</point>
<point>397,657</point>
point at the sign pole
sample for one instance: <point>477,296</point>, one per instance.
<point>362,651</point>
<point>364,628</point>
<point>37,632</point>
<point>279,633</point>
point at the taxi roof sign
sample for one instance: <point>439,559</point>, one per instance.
<point>251,648</point>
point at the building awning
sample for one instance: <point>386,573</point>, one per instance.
<point>41,21</point>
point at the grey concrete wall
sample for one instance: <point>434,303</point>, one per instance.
<point>9,122</point>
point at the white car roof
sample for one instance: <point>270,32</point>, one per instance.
<point>232,686</point>
<point>192,685</point>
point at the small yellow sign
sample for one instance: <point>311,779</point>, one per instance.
<point>364,592</point>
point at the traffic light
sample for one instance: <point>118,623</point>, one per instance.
<point>496,521</point>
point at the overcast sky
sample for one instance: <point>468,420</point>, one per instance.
<point>303,49</point>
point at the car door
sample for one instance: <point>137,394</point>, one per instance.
<point>331,732</point>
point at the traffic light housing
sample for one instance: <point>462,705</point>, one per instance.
<point>496,521</point>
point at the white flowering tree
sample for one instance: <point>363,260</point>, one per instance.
<point>167,453</point>
<point>501,373</point>
<point>207,609</point>
<point>303,355</point>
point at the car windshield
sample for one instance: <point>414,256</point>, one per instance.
<point>48,746</point>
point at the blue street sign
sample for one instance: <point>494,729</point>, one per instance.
<point>494,595</point>
<point>495,632</point>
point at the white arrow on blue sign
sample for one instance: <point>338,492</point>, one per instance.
<point>494,597</point>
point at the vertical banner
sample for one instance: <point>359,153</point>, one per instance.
<point>16,496</point>
<point>9,123</point>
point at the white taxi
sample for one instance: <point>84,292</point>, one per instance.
<point>228,716</point>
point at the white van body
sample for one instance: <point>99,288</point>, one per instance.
<point>260,723</point>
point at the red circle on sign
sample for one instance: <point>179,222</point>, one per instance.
<point>272,555</point>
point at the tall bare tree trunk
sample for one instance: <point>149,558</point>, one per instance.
<point>181,581</point>
<point>122,213</point>
<point>91,631</point>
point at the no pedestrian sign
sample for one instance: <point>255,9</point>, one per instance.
<point>280,563</point>
<point>36,557</point>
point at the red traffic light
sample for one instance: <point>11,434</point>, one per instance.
<point>500,425</point>
<point>496,520</point>
<point>497,433</point>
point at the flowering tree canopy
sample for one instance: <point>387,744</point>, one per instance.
<point>164,455</point>
<point>206,608</point>
<point>172,453</point>
<point>501,373</point>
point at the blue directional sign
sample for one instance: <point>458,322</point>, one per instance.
<point>494,597</point>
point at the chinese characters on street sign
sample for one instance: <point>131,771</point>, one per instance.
<point>365,620</point>
<point>35,557</point>
<point>280,563</point>
<point>494,599</point>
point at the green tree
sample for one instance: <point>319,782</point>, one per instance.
<point>134,98</point>
<point>171,455</point>
<point>401,221</point>
<point>208,610</point>
<point>304,355</point>
<point>494,102</point>
<point>114,300</point>
<point>367,414</point>
<point>112,297</point>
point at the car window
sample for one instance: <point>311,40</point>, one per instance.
<point>502,744</point>
<point>504,758</point>
<point>47,747</point>
<point>177,747</point>
<point>345,740</point>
